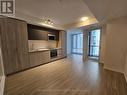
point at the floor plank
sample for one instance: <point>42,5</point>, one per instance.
<point>69,76</point>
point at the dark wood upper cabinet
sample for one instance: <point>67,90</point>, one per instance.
<point>14,45</point>
<point>35,34</point>
<point>41,33</point>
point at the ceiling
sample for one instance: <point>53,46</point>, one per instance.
<point>61,12</point>
<point>67,13</point>
<point>105,10</point>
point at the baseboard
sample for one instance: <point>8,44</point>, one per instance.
<point>2,83</point>
<point>115,70</point>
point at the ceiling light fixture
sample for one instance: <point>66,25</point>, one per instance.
<point>45,25</point>
<point>47,21</point>
<point>84,18</point>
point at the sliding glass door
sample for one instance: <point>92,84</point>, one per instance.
<point>77,43</point>
<point>94,43</point>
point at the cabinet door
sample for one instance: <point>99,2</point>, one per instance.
<point>43,35</point>
<point>59,52</point>
<point>38,58</point>
<point>63,38</point>
<point>35,34</point>
<point>8,43</point>
<point>22,44</point>
<point>33,59</point>
<point>14,45</point>
<point>43,57</point>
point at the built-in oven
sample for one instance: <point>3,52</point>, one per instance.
<point>53,53</point>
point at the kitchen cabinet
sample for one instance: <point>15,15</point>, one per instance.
<point>33,59</point>
<point>39,57</point>
<point>36,34</point>
<point>59,53</point>
<point>63,43</point>
<point>14,44</point>
<point>41,33</point>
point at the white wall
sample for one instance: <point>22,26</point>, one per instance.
<point>102,44</point>
<point>116,44</point>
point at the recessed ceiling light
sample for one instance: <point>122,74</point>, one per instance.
<point>84,18</point>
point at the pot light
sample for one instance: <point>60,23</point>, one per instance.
<point>84,18</point>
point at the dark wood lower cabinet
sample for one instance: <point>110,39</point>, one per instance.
<point>14,44</point>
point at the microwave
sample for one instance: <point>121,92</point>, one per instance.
<point>51,37</point>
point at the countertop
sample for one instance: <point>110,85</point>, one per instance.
<point>42,49</point>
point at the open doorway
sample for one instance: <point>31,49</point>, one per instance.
<point>94,43</point>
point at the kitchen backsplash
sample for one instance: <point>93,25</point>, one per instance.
<point>35,44</point>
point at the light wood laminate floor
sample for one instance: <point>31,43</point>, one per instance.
<point>69,76</point>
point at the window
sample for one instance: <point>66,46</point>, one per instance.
<point>94,43</point>
<point>77,43</point>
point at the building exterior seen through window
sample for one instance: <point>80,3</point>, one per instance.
<point>94,43</point>
<point>77,43</point>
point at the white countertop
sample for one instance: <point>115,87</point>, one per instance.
<point>43,49</point>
